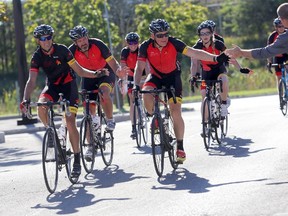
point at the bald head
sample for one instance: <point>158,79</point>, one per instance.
<point>282,11</point>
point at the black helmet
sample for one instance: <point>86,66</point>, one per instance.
<point>78,32</point>
<point>132,36</point>
<point>212,23</point>
<point>277,21</point>
<point>158,25</point>
<point>43,29</point>
<point>204,25</point>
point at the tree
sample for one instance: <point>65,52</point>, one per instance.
<point>64,15</point>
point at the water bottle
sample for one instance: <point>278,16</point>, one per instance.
<point>62,135</point>
<point>96,123</point>
<point>166,125</point>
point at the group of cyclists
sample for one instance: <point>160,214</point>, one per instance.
<point>155,59</point>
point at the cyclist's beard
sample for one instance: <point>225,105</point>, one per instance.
<point>84,48</point>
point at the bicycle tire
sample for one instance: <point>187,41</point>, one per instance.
<point>172,145</point>
<point>50,160</point>
<point>206,124</point>
<point>137,120</point>
<point>69,167</point>
<point>282,97</point>
<point>106,140</point>
<point>144,124</point>
<point>85,132</point>
<point>158,150</point>
<point>224,127</point>
<point>216,119</point>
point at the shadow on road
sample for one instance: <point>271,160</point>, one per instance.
<point>234,146</point>
<point>182,179</point>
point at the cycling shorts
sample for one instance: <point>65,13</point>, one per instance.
<point>95,83</point>
<point>69,90</point>
<point>172,79</point>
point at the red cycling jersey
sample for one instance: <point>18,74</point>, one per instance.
<point>129,58</point>
<point>98,55</point>
<point>165,60</point>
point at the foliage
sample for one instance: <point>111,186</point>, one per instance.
<point>183,18</point>
<point>252,22</point>
<point>64,15</point>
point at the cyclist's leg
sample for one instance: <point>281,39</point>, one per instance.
<point>224,94</point>
<point>106,86</point>
<point>47,94</point>
<point>176,112</point>
<point>150,83</point>
<point>131,108</point>
<point>70,92</point>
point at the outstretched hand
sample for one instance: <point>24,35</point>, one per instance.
<point>234,52</point>
<point>246,71</point>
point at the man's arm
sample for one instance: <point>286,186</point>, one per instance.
<point>30,85</point>
<point>83,72</point>
<point>140,66</point>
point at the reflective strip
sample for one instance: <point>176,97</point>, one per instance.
<point>73,109</point>
<point>72,61</point>
<point>178,100</point>
<point>185,50</point>
<point>109,58</point>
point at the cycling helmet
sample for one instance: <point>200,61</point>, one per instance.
<point>132,36</point>
<point>212,23</point>
<point>78,32</point>
<point>158,25</point>
<point>43,29</point>
<point>277,21</point>
<point>204,25</point>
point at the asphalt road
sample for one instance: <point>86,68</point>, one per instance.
<point>247,175</point>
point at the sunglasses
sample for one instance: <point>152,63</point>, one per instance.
<point>132,42</point>
<point>205,33</point>
<point>280,26</point>
<point>45,38</point>
<point>162,35</point>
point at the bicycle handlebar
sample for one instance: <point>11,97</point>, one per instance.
<point>162,90</point>
<point>207,82</point>
<point>50,104</point>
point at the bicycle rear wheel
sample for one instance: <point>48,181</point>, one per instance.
<point>137,122</point>
<point>107,143</point>
<point>69,162</point>
<point>87,141</point>
<point>172,145</point>
<point>224,127</point>
<point>282,97</point>
<point>206,123</point>
<point>50,160</point>
<point>158,151</point>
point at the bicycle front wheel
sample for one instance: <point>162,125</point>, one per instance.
<point>87,144</point>
<point>206,123</point>
<point>158,151</point>
<point>50,160</point>
<point>137,119</point>
<point>282,97</point>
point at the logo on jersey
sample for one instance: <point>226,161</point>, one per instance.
<point>58,62</point>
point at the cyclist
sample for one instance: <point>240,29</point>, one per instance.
<point>93,54</point>
<point>161,51</point>
<point>128,62</point>
<point>278,47</point>
<point>56,61</point>
<point>212,70</point>
<point>213,25</point>
<point>281,58</point>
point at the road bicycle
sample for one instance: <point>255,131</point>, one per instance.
<point>140,119</point>
<point>282,87</point>
<point>214,126</point>
<point>96,138</point>
<point>54,155</point>
<point>162,129</point>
